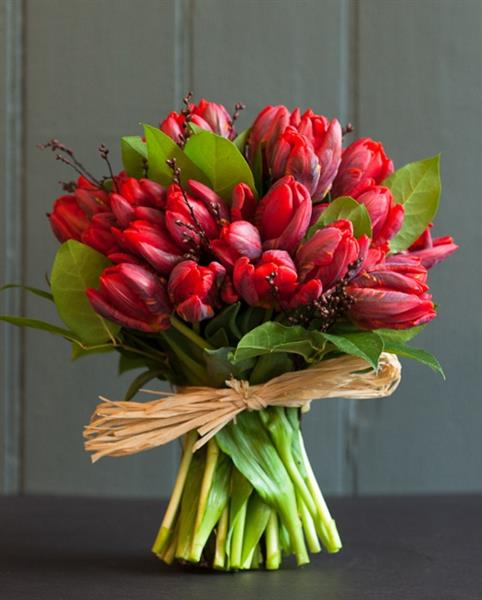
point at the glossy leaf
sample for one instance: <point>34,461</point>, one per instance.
<point>221,161</point>
<point>417,186</point>
<point>422,356</point>
<point>134,155</point>
<point>80,351</point>
<point>274,337</point>
<point>76,268</point>
<point>366,345</point>
<point>220,368</point>
<point>36,324</point>
<point>160,148</point>
<point>347,208</point>
<point>241,139</point>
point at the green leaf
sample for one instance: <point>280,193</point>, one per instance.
<point>141,380</point>
<point>257,516</point>
<point>366,345</point>
<point>269,366</point>
<point>226,321</point>
<point>80,351</point>
<point>32,290</point>
<point>274,337</point>
<point>241,139</point>
<point>160,148</point>
<point>76,268</point>
<point>129,362</point>
<point>347,208</point>
<point>221,161</point>
<point>36,324</point>
<point>399,335</point>
<point>134,155</point>
<point>417,354</point>
<point>417,186</point>
<point>220,368</point>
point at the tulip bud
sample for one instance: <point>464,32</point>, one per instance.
<point>328,253</point>
<point>364,163</point>
<point>386,216</point>
<point>67,219</point>
<point>133,297</point>
<point>153,243</point>
<point>306,293</point>
<point>173,126</point>
<point>188,220</point>
<point>283,215</point>
<point>237,239</point>
<point>193,289</point>
<point>430,250</point>
<point>206,115</point>
<point>99,234</point>
<point>271,282</point>
<point>391,294</point>
<point>243,205</point>
<point>266,129</point>
<point>214,203</point>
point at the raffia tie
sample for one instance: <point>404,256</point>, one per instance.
<point>119,428</point>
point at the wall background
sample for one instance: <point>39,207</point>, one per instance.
<point>408,72</point>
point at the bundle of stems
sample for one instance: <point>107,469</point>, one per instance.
<point>247,499</point>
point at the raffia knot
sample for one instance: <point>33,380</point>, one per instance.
<point>248,395</point>
<point>121,428</point>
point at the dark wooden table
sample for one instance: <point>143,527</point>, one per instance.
<point>407,548</point>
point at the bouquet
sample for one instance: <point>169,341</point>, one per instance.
<point>254,272</point>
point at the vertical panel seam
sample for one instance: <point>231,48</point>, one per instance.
<point>12,388</point>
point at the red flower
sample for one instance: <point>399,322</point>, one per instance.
<point>431,251</point>
<point>386,216</point>
<point>188,220</point>
<point>364,163</point>
<point>328,253</point>
<point>283,215</point>
<point>214,203</point>
<point>153,243</point>
<point>133,297</point>
<point>67,219</point>
<point>193,289</point>
<point>307,147</point>
<point>271,282</point>
<point>237,239</point>
<point>243,205</point>
<point>207,115</point>
<point>392,294</point>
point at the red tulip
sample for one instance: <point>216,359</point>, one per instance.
<point>207,115</point>
<point>214,203</point>
<point>133,297</point>
<point>306,293</point>
<point>283,215</point>
<point>153,243</point>
<point>386,216</point>
<point>188,220</point>
<point>193,289</point>
<point>392,294</point>
<point>364,163</point>
<point>67,219</point>
<point>237,239</point>
<point>430,250</point>
<point>306,146</point>
<point>271,282</point>
<point>328,253</point>
<point>267,128</point>
<point>99,234</point>
<point>243,205</point>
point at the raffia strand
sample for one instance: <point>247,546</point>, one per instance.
<point>119,428</point>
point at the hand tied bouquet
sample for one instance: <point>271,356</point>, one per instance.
<point>255,272</point>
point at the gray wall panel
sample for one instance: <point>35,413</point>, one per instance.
<point>93,72</point>
<point>420,91</point>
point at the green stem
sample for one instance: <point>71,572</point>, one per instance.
<point>175,500</point>
<point>238,537</point>
<point>209,470</point>
<point>273,551</point>
<point>221,533</point>
<point>190,365</point>
<point>326,526</point>
<point>308,526</point>
<point>190,334</point>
